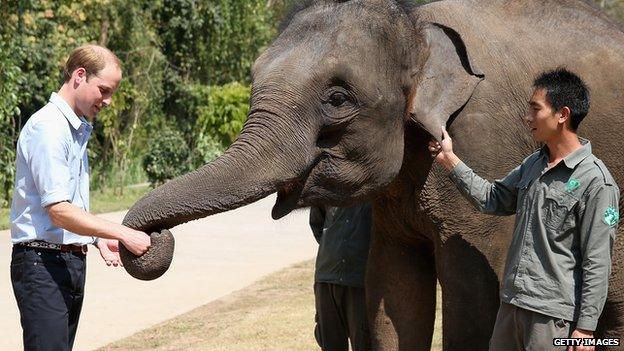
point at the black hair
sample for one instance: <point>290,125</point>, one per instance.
<point>565,89</point>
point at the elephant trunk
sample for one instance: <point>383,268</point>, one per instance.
<point>259,163</point>
<point>227,183</point>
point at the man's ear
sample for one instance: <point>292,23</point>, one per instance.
<point>446,81</point>
<point>566,114</point>
<point>80,74</point>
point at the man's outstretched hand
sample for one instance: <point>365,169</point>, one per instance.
<point>442,151</point>
<point>109,250</point>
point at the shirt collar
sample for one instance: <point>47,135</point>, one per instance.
<point>67,111</point>
<point>574,158</point>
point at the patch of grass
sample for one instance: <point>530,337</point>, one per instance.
<point>275,313</point>
<point>4,218</point>
<point>101,202</point>
<point>110,201</point>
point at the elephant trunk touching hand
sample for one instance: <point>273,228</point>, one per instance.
<point>343,105</point>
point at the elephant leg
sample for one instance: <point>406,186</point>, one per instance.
<point>611,323</point>
<point>401,294</point>
<point>470,297</point>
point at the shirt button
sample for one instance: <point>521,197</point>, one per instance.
<point>343,260</point>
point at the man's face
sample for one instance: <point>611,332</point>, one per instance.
<point>95,93</point>
<point>543,122</point>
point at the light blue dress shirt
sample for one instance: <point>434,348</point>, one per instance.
<point>51,166</point>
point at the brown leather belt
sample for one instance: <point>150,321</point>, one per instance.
<point>60,247</point>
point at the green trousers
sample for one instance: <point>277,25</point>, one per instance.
<point>524,330</point>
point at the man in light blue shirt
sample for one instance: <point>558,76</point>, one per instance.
<point>52,167</point>
<point>50,223</point>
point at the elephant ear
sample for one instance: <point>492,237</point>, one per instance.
<point>446,81</point>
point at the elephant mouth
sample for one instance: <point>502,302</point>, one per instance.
<point>287,198</point>
<point>290,193</point>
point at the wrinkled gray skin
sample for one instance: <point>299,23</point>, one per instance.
<point>402,73</point>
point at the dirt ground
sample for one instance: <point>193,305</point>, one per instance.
<point>275,313</point>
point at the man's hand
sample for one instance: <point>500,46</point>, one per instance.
<point>442,152</point>
<point>581,334</point>
<point>109,250</point>
<point>135,241</point>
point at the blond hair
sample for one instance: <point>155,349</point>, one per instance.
<point>93,58</point>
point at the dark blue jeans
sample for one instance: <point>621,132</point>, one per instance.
<point>49,289</point>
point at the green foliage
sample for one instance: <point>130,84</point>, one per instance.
<point>167,156</point>
<point>8,110</point>
<point>11,78</point>
<point>122,129</point>
<point>185,101</point>
<point>216,41</point>
<point>208,43</point>
<point>206,149</point>
<point>5,218</point>
<point>219,119</point>
<point>109,200</point>
<point>223,113</point>
<point>615,8</point>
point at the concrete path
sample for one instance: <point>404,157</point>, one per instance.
<point>213,257</point>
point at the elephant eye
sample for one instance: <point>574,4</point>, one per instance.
<point>337,99</point>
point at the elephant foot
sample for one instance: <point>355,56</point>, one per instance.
<point>154,262</point>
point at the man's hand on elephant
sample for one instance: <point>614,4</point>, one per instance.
<point>581,334</point>
<point>135,241</point>
<point>442,151</point>
<point>109,250</point>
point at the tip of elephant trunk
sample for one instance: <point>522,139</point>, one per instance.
<point>155,262</point>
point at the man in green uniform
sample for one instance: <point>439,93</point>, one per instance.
<point>566,206</point>
<point>343,235</point>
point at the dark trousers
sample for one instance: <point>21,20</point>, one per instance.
<point>340,317</point>
<point>49,289</point>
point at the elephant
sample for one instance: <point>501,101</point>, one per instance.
<point>343,104</point>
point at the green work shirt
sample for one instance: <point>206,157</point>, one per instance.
<point>559,259</point>
<point>343,235</point>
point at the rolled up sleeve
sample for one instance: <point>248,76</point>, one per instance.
<point>48,152</point>
<point>598,227</point>
<point>497,198</point>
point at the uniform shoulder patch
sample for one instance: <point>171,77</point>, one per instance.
<point>611,216</point>
<point>608,179</point>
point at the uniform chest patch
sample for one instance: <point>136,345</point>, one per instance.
<point>611,216</point>
<point>572,185</point>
